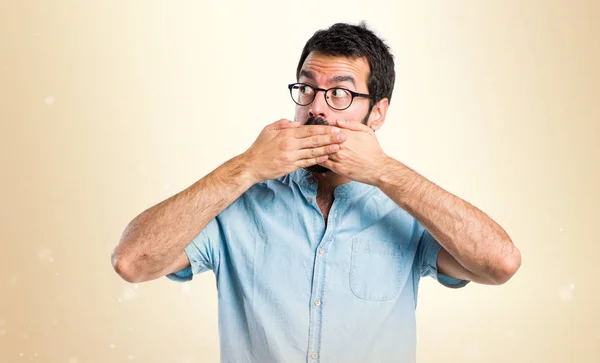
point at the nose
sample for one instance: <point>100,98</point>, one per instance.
<point>319,107</point>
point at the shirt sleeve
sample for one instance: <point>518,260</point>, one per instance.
<point>203,252</point>
<point>428,251</point>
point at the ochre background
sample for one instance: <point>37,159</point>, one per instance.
<point>109,107</point>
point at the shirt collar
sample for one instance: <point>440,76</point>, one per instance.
<point>352,189</point>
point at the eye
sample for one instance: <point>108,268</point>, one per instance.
<point>338,93</point>
<point>304,89</point>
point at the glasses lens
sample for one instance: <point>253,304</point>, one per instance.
<point>339,98</point>
<point>302,94</point>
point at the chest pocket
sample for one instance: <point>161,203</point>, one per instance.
<point>377,269</point>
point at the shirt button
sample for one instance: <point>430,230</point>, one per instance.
<point>314,355</point>
<point>308,199</point>
<point>321,251</point>
<point>317,302</point>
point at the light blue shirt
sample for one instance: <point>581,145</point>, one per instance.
<point>293,289</point>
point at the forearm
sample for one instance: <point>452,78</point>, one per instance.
<point>155,238</point>
<point>478,243</point>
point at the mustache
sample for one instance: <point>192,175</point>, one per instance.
<point>316,120</point>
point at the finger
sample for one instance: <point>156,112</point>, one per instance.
<point>311,130</point>
<point>318,151</point>
<point>320,140</point>
<point>305,163</point>
<point>282,124</point>
<point>356,126</point>
<point>329,164</point>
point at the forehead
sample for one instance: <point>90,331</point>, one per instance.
<point>325,67</point>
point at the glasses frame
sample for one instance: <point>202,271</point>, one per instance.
<point>317,89</point>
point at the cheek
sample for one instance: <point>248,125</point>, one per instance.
<point>357,113</point>
<point>348,115</point>
<point>301,114</point>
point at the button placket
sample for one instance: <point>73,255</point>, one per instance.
<point>316,319</point>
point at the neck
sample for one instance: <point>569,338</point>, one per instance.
<point>329,181</point>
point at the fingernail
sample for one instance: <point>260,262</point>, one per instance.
<point>341,137</point>
<point>335,130</point>
<point>341,121</point>
<point>335,147</point>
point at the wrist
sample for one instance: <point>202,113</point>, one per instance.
<point>248,173</point>
<point>387,170</point>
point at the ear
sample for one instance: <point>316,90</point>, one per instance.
<point>377,116</point>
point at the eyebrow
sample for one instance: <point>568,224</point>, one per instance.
<point>336,79</point>
<point>340,79</point>
<point>307,74</point>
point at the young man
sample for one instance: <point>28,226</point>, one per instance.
<point>316,237</point>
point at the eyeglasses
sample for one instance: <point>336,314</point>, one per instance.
<point>337,98</point>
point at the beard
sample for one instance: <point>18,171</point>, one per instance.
<point>312,120</point>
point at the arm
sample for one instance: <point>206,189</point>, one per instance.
<point>474,247</point>
<point>153,244</point>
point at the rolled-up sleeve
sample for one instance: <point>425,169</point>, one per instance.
<point>202,251</point>
<point>428,251</point>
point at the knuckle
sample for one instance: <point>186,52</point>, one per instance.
<point>285,145</point>
<point>286,158</point>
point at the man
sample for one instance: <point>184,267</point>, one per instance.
<point>316,237</point>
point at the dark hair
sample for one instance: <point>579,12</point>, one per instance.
<point>356,41</point>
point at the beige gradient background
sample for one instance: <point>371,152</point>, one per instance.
<point>109,107</point>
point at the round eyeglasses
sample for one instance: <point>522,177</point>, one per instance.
<point>337,98</point>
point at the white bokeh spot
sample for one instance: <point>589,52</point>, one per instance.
<point>566,293</point>
<point>49,100</point>
<point>129,293</point>
<point>73,360</point>
<point>44,254</point>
